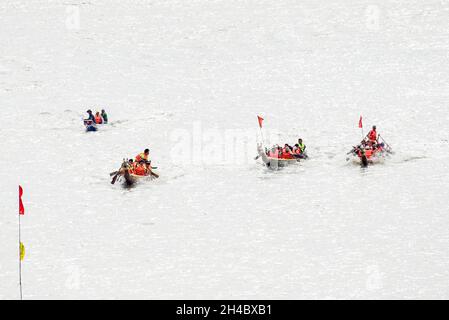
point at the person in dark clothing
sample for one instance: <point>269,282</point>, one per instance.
<point>90,115</point>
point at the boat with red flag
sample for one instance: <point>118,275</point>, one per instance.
<point>278,157</point>
<point>370,151</point>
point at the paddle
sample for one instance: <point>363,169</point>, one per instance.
<point>115,178</point>
<point>353,149</point>
<point>389,147</point>
<point>153,173</point>
<point>117,173</point>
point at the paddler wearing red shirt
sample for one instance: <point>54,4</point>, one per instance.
<point>140,169</point>
<point>287,152</point>
<point>98,118</point>
<point>372,135</point>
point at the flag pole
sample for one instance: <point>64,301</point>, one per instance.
<point>21,247</point>
<point>261,134</point>
<point>20,260</point>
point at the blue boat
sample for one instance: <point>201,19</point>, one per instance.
<point>90,126</point>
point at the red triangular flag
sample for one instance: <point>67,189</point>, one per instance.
<point>260,121</point>
<point>361,122</point>
<point>21,207</point>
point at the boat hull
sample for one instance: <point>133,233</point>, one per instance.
<point>132,179</point>
<point>275,163</point>
<point>91,129</point>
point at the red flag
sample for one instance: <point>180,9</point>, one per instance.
<point>260,121</point>
<point>361,122</point>
<point>21,207</point>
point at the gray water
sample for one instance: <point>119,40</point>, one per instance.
<point>213,228</point>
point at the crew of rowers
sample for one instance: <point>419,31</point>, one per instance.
<point>141,165</point>
<point>370,144</point>
<point>288,152</point>
<point>98,118</point>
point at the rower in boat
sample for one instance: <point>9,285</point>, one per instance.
<point>145,155</point>
<point>372,135</point>
<point>90,123</point>
<point>143,168</point>
<point>287,153</point>
<point>104,115</point>
<point>300,150</point>
<point>149,170</point>
<point>90,115</point>
<point>302,146</point>
<point>98,118</point>
<point>369,152</point>
<point>140,168</point>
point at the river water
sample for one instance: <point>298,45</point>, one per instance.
<point>187,80</point>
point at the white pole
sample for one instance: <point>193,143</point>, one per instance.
<point>261,134</point>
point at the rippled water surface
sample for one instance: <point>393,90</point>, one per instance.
<point>216,229</point>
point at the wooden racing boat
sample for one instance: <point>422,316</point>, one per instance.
<point>368,155</point>
<point>275,163</point>
<point>128,178</point>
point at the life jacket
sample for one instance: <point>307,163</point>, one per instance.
<point>302,146</point>
<point>372,135</point>
<point>141,156</point>
<point>298,151</point>
<point>286,155</point>
<point>98,120</point>
<point>140,171</point>
<point>369,153</point>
